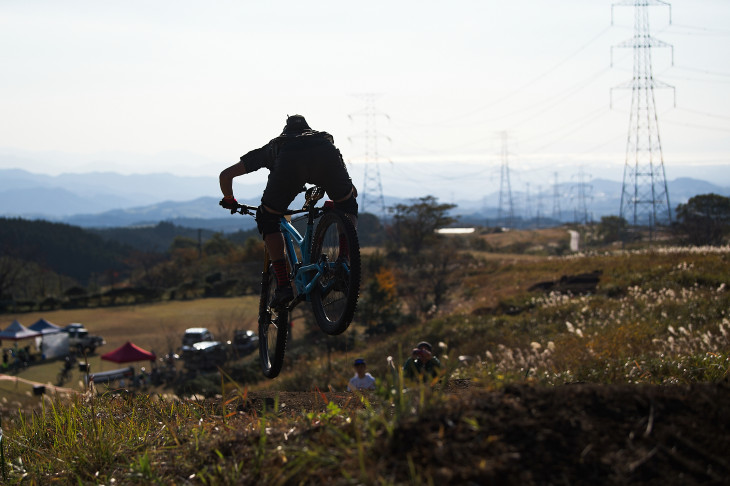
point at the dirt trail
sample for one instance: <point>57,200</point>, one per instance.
<point>573,434</point>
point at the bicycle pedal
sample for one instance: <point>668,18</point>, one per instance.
<point>282,297</point>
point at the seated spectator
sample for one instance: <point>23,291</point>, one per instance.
<point>362,379</point>
<point>422,364</point>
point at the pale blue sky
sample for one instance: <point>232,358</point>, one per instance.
<point>188,86</point>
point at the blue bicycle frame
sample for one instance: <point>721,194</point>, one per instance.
<point>302,269</point>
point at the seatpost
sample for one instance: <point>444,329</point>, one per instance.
<point>311,215</point>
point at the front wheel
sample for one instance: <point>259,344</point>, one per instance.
<point>336,249</point>
<point>273,328</point>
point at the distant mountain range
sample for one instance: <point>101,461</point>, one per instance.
<point>112,200</point>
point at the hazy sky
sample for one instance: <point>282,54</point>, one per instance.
<point>188,86</point>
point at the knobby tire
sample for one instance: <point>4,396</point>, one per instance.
<point>334,298</point>
<point>273,328</point>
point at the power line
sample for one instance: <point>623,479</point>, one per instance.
<point>704,71</point>
<point>701,30</point>
<point>520,88</point>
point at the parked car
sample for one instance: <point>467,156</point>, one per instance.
<point>205,355</point>
<point>195,335</point>
<point>79,339</point>
<point>244,342</point>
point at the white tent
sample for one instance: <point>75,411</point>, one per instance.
<point>54,345</point>
<point>51,341</point>
<point>44,327</point>
<point>16,331</point>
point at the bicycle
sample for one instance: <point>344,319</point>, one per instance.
<point>324,266</point>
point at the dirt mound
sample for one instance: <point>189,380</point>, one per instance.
<point>574,434</point>
<point>582,283</point>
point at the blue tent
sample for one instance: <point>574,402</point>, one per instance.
<point>44,327</point>
<point>17,331</point>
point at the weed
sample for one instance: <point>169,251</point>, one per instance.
<point>657,317</point>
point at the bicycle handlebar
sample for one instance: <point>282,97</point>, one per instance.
<point>308,205</point>
<point>251,210</point>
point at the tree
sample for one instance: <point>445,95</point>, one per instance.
<point>183,242</point>
<point>611,228</point>
<point>704,219</point>
<point>219,245</point>
<point>427,279</point>
<point>10,273</point>
<point>369,230</point>
<point>379,307</point>
<point>414,226</point>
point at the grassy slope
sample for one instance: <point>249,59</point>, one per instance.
<point>680,299</point>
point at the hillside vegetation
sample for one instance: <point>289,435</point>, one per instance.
<point>47,266</point>
<point>620,380</point>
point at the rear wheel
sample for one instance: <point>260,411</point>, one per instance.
<point>335,247</point>
<point>273,328</point>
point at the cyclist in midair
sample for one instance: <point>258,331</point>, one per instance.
<point>299,155</point>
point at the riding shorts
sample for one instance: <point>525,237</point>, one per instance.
<point>313,162</point>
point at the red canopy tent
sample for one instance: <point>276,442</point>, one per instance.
<point>129,353</point>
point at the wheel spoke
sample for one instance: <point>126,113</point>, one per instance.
<point>273,329</point>
<point>336,249</point>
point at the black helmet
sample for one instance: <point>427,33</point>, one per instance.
<point>424,344</point>
<point>295,124</point>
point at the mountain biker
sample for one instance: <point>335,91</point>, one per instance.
<point>299,155</point>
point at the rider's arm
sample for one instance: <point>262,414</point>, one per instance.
<point>227,175</point>
<point>252,161</point>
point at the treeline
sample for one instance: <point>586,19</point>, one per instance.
<point>54,264</point>
<point>153,238</point>
<point>49,265</point>
<point>61,248</point>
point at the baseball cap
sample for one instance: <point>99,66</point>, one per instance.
<point>359,361</point>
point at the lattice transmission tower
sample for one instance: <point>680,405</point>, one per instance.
<point>581,190</point>
<point>506,210</point>
<point>371,193</point>
<point>557,214</point>
<point>644,196</point>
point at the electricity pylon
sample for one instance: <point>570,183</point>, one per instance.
<point>506,210</point>
<point>581,208</point>
<point>644,196</point>
<point>371,192</point>
<point>556,200</point>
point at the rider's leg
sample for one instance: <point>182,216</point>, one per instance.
<point>348,205</point>
<point>268,224</point>
<point>282,187</point>
<point>267,220</point>
<point>275,245</point>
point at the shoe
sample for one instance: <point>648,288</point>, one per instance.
<point>282,296</point>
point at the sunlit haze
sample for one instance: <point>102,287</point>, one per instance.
<point>187,87</point>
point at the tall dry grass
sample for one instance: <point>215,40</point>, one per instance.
<point>657,316</point>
